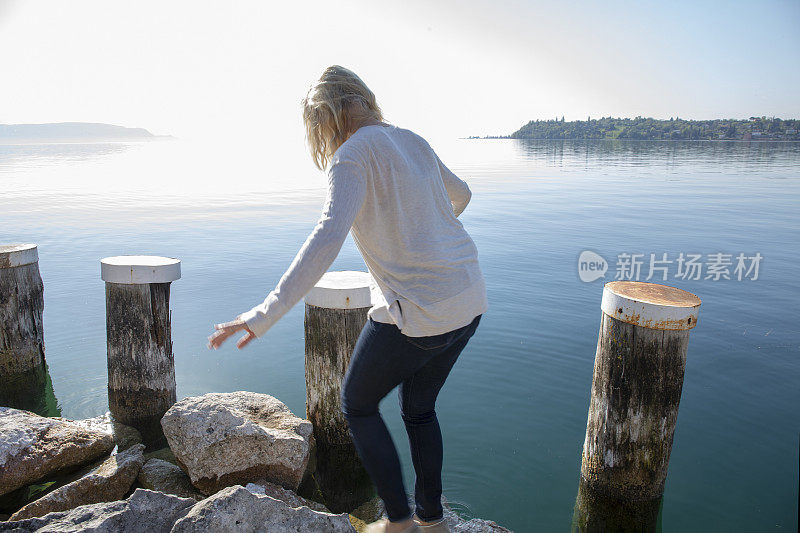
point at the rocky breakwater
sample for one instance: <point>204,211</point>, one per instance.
<point>234,464</point>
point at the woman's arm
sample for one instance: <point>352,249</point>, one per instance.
<point>346,192</point>
<point>457,189</point>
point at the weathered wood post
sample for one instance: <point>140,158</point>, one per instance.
<point>336,311</point>
<point>21,310</point>
<point>23,370</point>
<point>636,389</point>
<point>141,367</point>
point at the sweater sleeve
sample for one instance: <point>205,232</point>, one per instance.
<point>457,189</point>
<point>346,192</point>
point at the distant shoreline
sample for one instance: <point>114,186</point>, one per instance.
<point>73,133</point>
<point>155,138</point>
<point>651,129</point>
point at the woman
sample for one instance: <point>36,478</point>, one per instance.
<point>401,202</point>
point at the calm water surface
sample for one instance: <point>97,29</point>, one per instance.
<point>513,411</point>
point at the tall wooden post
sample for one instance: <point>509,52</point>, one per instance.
<point>141,367</point>
<point>336,311</point>
<point>636,389</point>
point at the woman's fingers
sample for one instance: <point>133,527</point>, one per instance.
<point>245,340</point>
<point>217,338</point>
<point>225,330</point>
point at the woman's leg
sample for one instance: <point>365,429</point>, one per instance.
<point>418,396</point>
<point>380,361</point>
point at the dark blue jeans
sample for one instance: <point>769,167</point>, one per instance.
<point>384,358</point>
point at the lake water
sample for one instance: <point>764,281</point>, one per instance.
<point>513,412</point>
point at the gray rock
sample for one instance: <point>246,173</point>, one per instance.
<point>108,481</point>
<point>124,436</point>
<point>372,510</point>
<point>157,474</point>
<point>33,447</point>
<point>223,439</point>
<point>265,488</point>
<point>237,509</point>
<point>145,511</point>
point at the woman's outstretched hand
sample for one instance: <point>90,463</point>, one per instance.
<point>226,330</point>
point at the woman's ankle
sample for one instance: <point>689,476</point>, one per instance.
<point>422,522</point>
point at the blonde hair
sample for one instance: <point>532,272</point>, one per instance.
<point>334,105</point>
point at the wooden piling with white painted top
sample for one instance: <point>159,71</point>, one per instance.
<point>141,365</point>
<point>335,312</point>
<point>636,389</point>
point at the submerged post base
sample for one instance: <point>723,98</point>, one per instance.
<point>595,512</point>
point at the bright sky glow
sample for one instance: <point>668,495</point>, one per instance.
<point>443,68</point>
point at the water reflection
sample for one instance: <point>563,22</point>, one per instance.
<point>660,156</point>
<point>31,391</point>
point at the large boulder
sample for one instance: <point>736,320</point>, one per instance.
<point>33,447</point>
<point>222,439</point>
<point>108,481</point>
<point>124,437</point>
<point>157,474</point>
<point>145,511</point>
<point>237,509</point>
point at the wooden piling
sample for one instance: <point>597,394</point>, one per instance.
<point>636,388</point>
<point>141,367</point>
<point>335,312</point>
<point>21,310</point>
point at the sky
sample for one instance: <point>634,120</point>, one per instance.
<point>442,68</point>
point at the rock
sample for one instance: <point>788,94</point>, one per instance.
<point>372,510</point>
<point>458,524</point>
<point>33,447</point>
<point>157,474</point>
<point>145,511</point>
<point>222,439</point>
<point>266,488</point>
<point>107,482</point>
<point>165,454</point>
<point>124,436</point>
<point>237,509</point>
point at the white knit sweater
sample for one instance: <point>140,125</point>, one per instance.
<point>401,202</point>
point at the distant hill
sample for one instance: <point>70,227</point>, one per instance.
<point>71,132</point>
<point>753,128</point>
